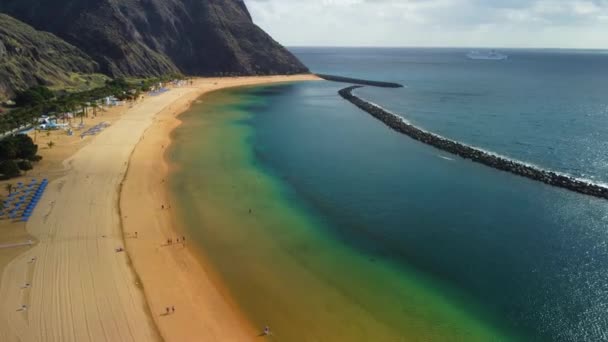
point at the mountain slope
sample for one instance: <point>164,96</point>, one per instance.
<point>29,57</point>
<point>152,37</point>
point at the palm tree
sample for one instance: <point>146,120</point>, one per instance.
<point>81,115</point>
<point>35,124</point>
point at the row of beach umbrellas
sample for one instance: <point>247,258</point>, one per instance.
<point>95,129</point>
<point>21,203</point>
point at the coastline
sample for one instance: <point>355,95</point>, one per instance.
<point>280,261</point>
<point>176,275</point>
<point>80,285</point>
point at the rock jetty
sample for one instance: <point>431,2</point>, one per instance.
<point>342,79</point>
<point>548,177</point>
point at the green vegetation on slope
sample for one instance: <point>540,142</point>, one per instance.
<point>29,57</point>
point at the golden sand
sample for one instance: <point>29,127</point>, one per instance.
<point>82,289</point>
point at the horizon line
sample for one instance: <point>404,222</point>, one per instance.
<point>443,47</point>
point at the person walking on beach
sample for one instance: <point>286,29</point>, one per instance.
<point>266,331</point>
<point>167,310</point>
<point>173,309</point>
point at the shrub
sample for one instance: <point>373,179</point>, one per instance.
<point>9,169</point>
<point>19,146</point>
<point>24,165</point>
<point>34,96</point>
<point>25,146</point>
<point>8,150</point>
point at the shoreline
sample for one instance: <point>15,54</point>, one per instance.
<point>177,275</point>
<point>77,283</point>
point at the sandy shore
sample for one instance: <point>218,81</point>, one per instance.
<point>81,288</point>
<point>172,274</point>
<point>51,167</point>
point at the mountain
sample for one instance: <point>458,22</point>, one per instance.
<point>153,37</point>
<point>29,57</point>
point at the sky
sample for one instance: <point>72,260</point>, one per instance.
<point>449,23</point>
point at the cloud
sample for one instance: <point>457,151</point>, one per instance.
<point>542,23</point>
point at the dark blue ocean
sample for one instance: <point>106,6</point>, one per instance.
<point>533,257</point>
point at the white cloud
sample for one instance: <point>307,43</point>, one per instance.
<point>509,23</point>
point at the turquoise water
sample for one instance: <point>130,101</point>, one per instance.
<point>385,220</point>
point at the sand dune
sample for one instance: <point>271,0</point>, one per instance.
<point>81,288</point>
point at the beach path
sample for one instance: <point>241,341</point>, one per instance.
<point>82,289</point>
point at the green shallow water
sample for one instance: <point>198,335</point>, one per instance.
<point>280,263</point>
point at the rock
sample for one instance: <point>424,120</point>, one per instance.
<point>3,52</point>
<point>154,37</point>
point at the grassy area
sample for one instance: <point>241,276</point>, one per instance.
<point>81,82</point>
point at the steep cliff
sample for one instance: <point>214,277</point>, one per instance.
<point>153,37</point>
<point>29,57</point>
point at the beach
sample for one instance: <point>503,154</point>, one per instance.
<point>89,278</point>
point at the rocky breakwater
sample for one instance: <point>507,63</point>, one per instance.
<point>548,177</point>
<point>342,79</point>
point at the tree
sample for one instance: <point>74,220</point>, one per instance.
<point>83,113</point>
<point>33,96</point>
<point>35,125</point>
<point>8,150</point>
<point>26,149</point>
<point>25,165</point>
<point>9,169</point>
<point>9,188</point>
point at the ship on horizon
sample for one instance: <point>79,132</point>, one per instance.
<point>492,55</point>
